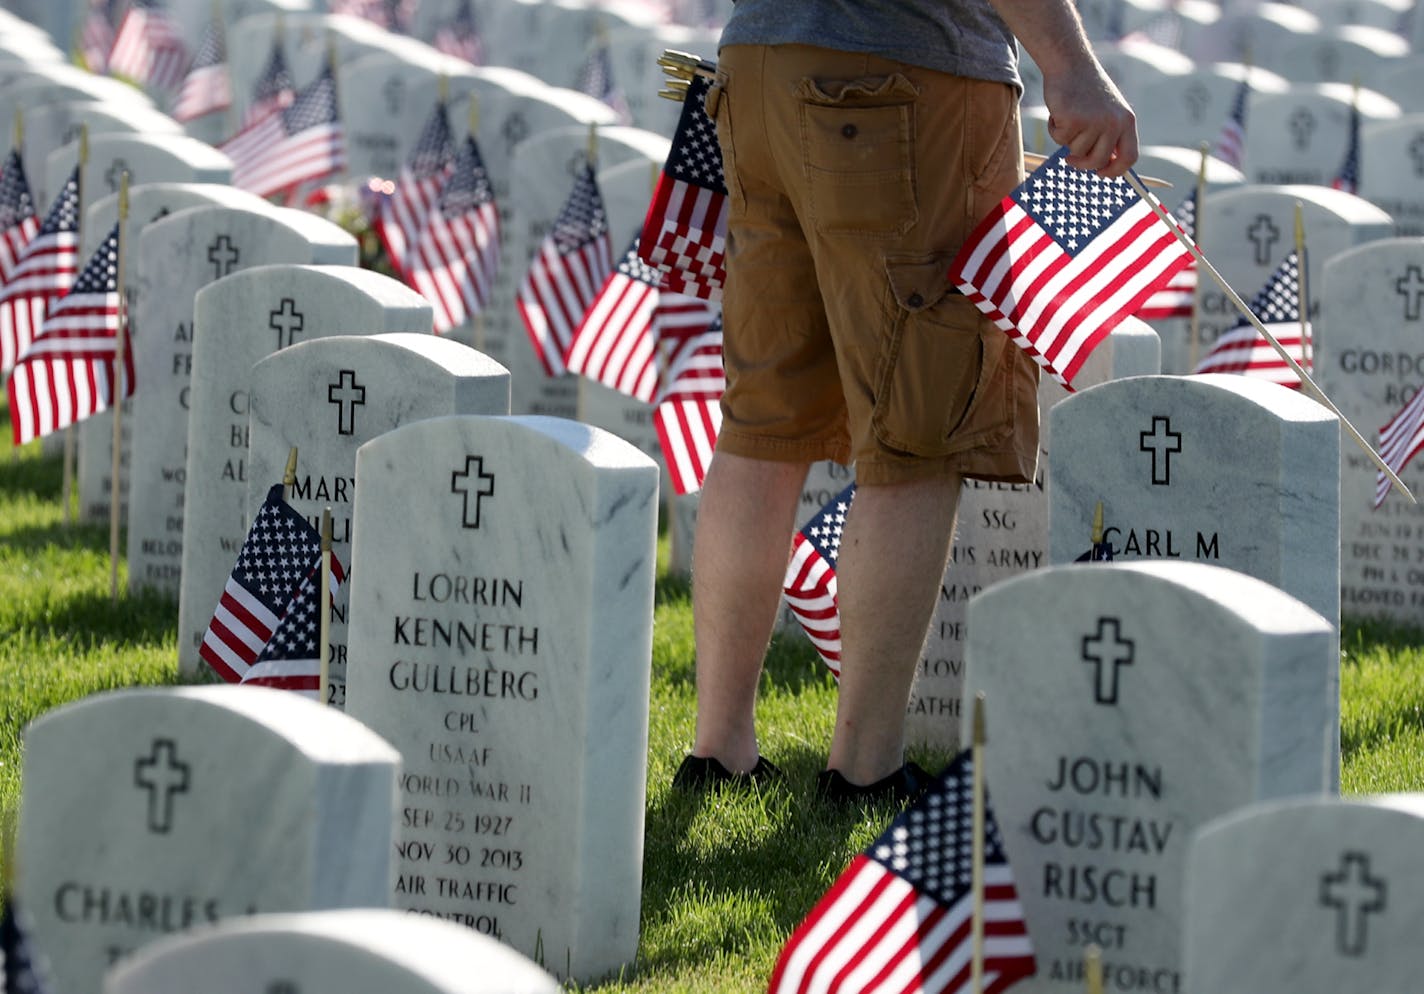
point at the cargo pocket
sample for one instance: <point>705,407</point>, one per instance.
<point>932,368</point>
<point>857,144</point>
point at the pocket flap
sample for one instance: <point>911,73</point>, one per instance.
<point>920,282</point>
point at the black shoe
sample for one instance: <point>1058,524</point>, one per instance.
<point>704,772</point>
<point>904,785</point>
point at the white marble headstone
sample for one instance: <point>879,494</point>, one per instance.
<point>147,158</point>
<point>385,102</point>
<point>146,811</point>
<point>1128,704</point>
<point>238,321</point>
<point>365,951</point>
<point>1308,896</point>
<point>1392,171</point>
<point>1302,136</point>
<point>1339,54</point>
<point>506,651</point>
<point>1191,108</point>
<point>52,125</point>
<point>177,256</point>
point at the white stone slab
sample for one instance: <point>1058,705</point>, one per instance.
<point>634,52</point>
<point>53,125</point>
<point>1371,362</point>
<point>1246,29</point>
<point>146,158</point>
<point>178,256</point>
<point>507,654</point>
<point>1392,171</point>
<point>149,810</point>
<point>1190,109</point>
<point>1391,15</point>
<point>1143,700</point>
<point>385,102</point>
<point>1137,64</point>
<point>1301,136</point>
<point>327,398</point>
<point>1340,54</point>
<point>1310,896</point>
<point>331,952</point>
<point>238,321</point>
<point>1400,80</point>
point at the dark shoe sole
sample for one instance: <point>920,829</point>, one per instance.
<point>705,772</point>
<point>903,786</point>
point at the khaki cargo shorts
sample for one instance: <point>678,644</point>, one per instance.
<point>853,180</point>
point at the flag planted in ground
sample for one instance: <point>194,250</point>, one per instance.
<point>401,214</point>
<point>207,88</point>
<point>294,145</point>
<point>809,587</point>
<point>460,35</point>
<point>1244,350</point>
<point>273,90</point>
<point>595,77</point>
<point>18,223</point>
<point>149,47</point>
<point>43,272</point>
<point>1347,177</point>
<point>1063,259</point>
<point>687,433</point>
<point>1230,145</point>
<point>291,659</point>
<point>1400,441</point>
<point>96,34</point>
<point>899,918</point>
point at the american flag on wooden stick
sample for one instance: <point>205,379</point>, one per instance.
<point>1177,298</point>
<point>567,273</point>
<point>208,86</point>
<point>685,230</point>
<point>899,917</point>
<point>687,433</point>
<point>1348,176</point>
<point>1064,258</point>
<point>44,271</point>
<point>455,257</point>
<point>291,659</point>
<point>281,552</point>
<point>149,48</point>
<point>67,373</point>
<point>401,214</point>
<point>809,587</point>
<point>1242,349</point>
<point>1230,146</point>
<point>1400,441</point>
<point>294,145</point>
<point>96,35</point>
<point>273,90</point>
<point>460,35</point>
<point>595,77</point>
<point>18,223</point>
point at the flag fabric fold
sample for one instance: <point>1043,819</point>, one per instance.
<point>207,88</point>
<point>1177,298</point>
<point>1063,259</point>
<point>809,587</point>
<point>291,659</point>
<point>293,145</point>
<point>899,917</point>
<point>149,47</point>
<point>1347,178</point>
<point>43,271</point>
<point>595,77</point>
<point>273,90</point>
<point>695,370</point>
<point>96,35</point>
<point>401,215</point>
<point>687,433</point>
<point>1400,441</point>
<point>460,35</point>
<point>1230,144</point>
<point>18,223</point>
<point>1243,350</point>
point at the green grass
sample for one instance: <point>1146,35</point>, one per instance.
<point>727,875</point>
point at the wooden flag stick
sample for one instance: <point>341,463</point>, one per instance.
<point>289,475</point>
<point>119,387</point>
<point>976,962</point>
<point>1250,316</point>
<point>66,487</point>
<point>324,608</point>
<point>1194,339</point>
<point>1093,969</point>
<point>19,136</point>
<point>593,146</point>
<point>1302,295</point>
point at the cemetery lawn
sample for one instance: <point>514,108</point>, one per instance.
<point>728,875</point>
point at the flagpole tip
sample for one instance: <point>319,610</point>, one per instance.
<point>980,733</point>
<point>289,475</point>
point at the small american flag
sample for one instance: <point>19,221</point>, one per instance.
<point>695,371</point>
<point>393,15</point>
<point>18,223</point>
<point>1062,259</point>
<point>281,552</point>
<point>460,36</point>
<point>291,659</point>
<point>20,971</point>
<point>455,257</point>
<point>1348,178</point>
<point>630,331</point>
<point>67,373</point>
<point>208,86</point>
<point>687,433</point>
<point>1400,441</point>
<point>595,77</point>
<point>567,273</point>
<point>43,271</point>
<point>149,48</point>
<point>401,215</point>
<point>1178,297</point>
<point>273,90</point>
<point>1230,146</point>
<point>685,230</point>
<point>294,145</point>
<point>1242,349</point>
<point>899,917</point>
<point>810,584</point>
<point>96,36</point>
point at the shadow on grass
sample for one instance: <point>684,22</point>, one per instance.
<point>62,536</point>
<point>140,619</point>
<point>1366,634</point>
<point>41,477</point>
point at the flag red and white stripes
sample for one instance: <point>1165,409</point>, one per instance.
<point>401,215</point>
<point>149,48</point>
<point>1400,441</point>
<point>687,433</point>
<point>809,586</point>
<point>44,271</point>
<point>1230,145</point>
<point>1178,297</point>
<point>208,86</point>
<point>293,145</point>
<point>695,370</point>
<point>18,223</point>
<point>1243,350</point>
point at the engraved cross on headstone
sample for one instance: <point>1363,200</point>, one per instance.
<point>1354,894</point>
<point>348,395</point>
<point>1196,97</point>
<point>393,90</point>
<point>115,173</point>
<point>1302,126</point>
<point>1410,286</point>
<point>1263,234</point>
<point>286,321</point>
<point>162,776</point>
<point>1107,650</point>
<point>474,471</point>
<point>1161,441</point>
<point>1416,153</point>
<point>223,254</point>
<point>514,130</point>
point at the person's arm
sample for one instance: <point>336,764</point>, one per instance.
<point>1086,112</point>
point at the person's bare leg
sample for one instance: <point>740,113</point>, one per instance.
<point>745,522</point>
<point>892,558</point>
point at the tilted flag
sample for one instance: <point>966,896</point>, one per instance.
<point>96,35</point>
<point>567,273</point>
<point>18,223</point>
<point>595,77</point>
<point>67,373</point>
<point>149,48</point>
<point>1064,258</point>
<point>1178,297</point>
<point>455,258</point>
<point>273,90</point>
<point>1400,441</point>
<point>1348,176</point>
<point>293,145</point>
<point>1230,145</point>
<point>810,584</point>
<point>20,971</point>
<point>685,230</point>
<point>460,35</point>
<point>900,916</point>
<point>43,272</point>
<point>695,371</point>
<point>687,433</point>
<point>291,659</point>
<point>208,86</point>
<point>401,215</point>
<point>1242,349</point>
<point>281,552</point>
<point>626,339</point>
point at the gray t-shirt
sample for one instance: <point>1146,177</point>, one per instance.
<point>962,37</point>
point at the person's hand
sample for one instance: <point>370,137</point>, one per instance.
<point>1088,114</point>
